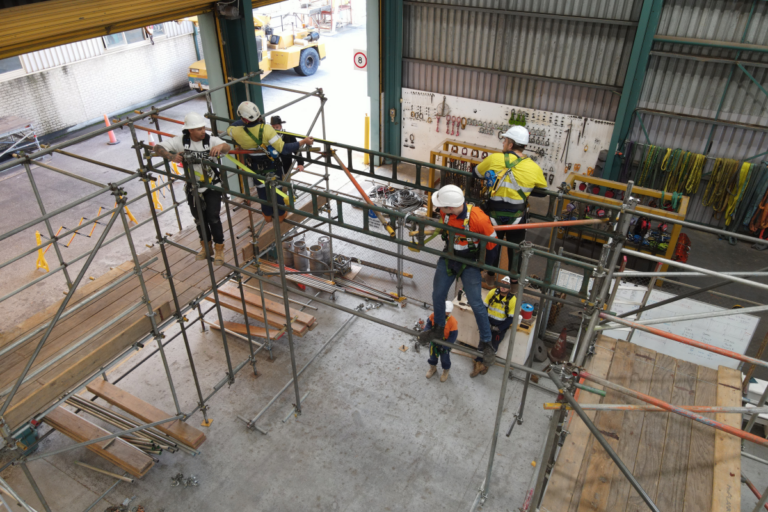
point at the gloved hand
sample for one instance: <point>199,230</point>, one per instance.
<point>494,328</point>
<point>490,178</point>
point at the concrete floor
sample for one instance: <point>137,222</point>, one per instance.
<point>374,433</point>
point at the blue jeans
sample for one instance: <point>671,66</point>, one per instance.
<point>472,281</point>
<point>268,210</point>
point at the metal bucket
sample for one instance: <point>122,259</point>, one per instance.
<point>316,264</point>
<point>288,254</point>
<point>325,243</point>
<point>300,259</point>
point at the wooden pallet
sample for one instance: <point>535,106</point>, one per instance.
<point>120,453</point>
<point>682,465</point>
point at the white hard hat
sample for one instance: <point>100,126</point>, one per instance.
<point>248,110</point>
<point>193,120</point>
<point>448,307</point>
<point>506,280</point>
<point>517,134</point>
<point>450,196</point>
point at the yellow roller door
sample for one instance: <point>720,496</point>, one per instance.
<point>33,27</point>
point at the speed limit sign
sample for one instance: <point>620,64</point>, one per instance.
<point>360,60</point>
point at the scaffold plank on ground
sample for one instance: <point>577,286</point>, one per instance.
<point>116,451</point>
<point>698,486</point>
<point>251,298</point>
<point>256,330</point>
<point>257,314</point>
<point>727,472</point>
<point>562,482</point>
<point>146,412</point>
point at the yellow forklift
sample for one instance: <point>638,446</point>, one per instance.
<point>295,48</point>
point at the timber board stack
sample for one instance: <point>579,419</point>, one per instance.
<point>682,465</point>
<point>191,279</point>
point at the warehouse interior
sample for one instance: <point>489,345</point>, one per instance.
<point>285,368</point>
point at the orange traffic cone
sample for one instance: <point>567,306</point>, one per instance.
<point>558,352</point>
<point>112,139</point>
<point>151,139</point>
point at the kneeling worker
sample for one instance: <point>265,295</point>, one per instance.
<point>252,132</point>
<point>450,333</point>
<point>195,142</point>
<point>456,213</point>
<point>501,313</point>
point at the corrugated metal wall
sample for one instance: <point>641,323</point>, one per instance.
<point>690,80</point>
<point>568,57</point>
<point>81,50</point>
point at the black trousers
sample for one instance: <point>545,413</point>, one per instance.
<point>211,206</point>
<point>516,237</point>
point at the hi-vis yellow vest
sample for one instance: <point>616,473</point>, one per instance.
<point>243,140</point>
<point>499,307</point>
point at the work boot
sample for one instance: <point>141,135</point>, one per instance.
<point>476,369</point>
<point>444,376</point>
<point>267,218</point>
<point>283,216</point>
<point>432,370</point>
<point>218,258</point>
<point>489,281</point>
<point>489,356</point>
<point>201,255</point>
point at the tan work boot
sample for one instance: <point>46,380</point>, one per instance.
<point>218,258</point>
<point>489,281</point>
<point>201,255</point>
<point>444,376</point>
<point>476,370</point>
<point>432,371</point>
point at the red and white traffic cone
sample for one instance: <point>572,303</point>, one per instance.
<point>151,140</point>
<point>558,352</point>
<point>112,139</point>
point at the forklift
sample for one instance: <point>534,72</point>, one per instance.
<point>295,48</point>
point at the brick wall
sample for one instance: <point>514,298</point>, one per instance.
<point>82,92</point>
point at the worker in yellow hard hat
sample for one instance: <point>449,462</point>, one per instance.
<point>511,177</point>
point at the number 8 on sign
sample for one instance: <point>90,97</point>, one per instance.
<point>360,60</point>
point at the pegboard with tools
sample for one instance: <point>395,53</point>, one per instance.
<point>559,143</point>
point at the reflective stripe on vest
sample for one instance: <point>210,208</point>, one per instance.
<point>499,308</point>
<point>461,242</point>
<point>507,189</point>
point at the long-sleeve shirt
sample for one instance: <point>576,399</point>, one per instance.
<point>512,192</point>
<point>451,333</point>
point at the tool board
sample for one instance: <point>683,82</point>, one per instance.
<point>559,143</point>
<point>732,332</point>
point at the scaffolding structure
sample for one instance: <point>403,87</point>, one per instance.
<point>323,202</point>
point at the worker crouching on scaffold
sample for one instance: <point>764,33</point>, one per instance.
<point>252,132</point>
<point>511,177</point>
<point>450,334</point>
<point>501,313</point>
<point>196,143</point>
<point>455,212</point>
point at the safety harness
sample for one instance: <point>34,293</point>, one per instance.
<point>436,350</point>
<point>266,162</point>
<point>204,171</point>
<point>500,304</point>
<point>491,191</point>
<point>472,246</point>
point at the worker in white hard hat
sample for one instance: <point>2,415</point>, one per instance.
<point>501,313</point>
<point>455,212</point>
<point>252,132</point>
<point>510,177</point>
<point>450,334</point>
<point>195,142</point>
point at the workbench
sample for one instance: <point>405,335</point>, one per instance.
<point>683,465</point>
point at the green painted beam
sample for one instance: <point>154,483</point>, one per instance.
<point>391,44</point>
<point>726,45</point>
<point>241,54</point>
<point>633,83</point>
